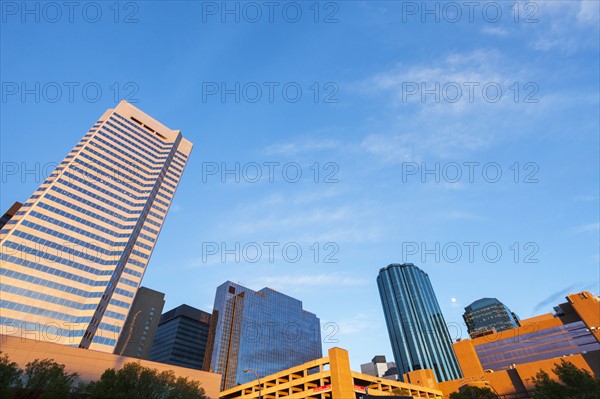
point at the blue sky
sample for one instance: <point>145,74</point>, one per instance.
<point>502,101</point>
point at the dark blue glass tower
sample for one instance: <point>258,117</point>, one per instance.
<point>418,332</point>
<point>262,332</point>
<point>489,314</point>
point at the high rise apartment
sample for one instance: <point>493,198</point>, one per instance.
<point>73,257</point>
<point>418,332</point>
<point>257,333</point>
<point>489,315</point>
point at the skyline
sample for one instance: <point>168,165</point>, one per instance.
<point>371,141</point>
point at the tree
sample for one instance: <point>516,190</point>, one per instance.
<point>46,379</point>
<point>10,374</point>
<point>135,381</point>
<point>471,392</point>
<point>575,383</point>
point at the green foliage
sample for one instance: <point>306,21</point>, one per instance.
<point>574,383</point>
<point>10,374</point>
<point>46,379</point>
<point>134,381</point>
<point>470,392</point>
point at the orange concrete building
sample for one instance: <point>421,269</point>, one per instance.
<point>508,361</point>
<point>331,378</point>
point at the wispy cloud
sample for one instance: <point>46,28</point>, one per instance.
<point>586,228</point>
<point>289,281</point>
<point>586,198</point>
<point>302,146</point>
<point>495,31</point>
<point>450,106</point>
<point>566,26</point>
<point>556,298</point>
<point>359,323</point>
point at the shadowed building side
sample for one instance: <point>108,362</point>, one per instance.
<point>141,324</point>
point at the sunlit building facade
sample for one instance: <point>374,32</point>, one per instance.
<point>508,361</point>
<point>73,257</point>
<point>262,332</point>
<point>489,315</point>
<point>416,326</point>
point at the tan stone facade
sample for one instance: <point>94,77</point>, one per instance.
<point>90,364</point>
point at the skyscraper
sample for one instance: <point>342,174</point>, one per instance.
<point>181,337</point>
<point>73,256</point>
<point>262,332</point>
<point>141,324</point>
<point>489,315</point>
<point>418,332</point>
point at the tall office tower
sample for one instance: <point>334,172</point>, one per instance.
<point>418,332</point>
<point>73,256</point>
<point>181,337</point>
<point>141,324</point>
<point>261,332</point>
<point>488,315</point>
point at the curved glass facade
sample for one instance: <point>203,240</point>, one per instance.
<point>489,314</point>
<point>418,332</point>
<point>73,257</point>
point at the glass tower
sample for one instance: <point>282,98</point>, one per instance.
<point>181,337</point>
<point>73,256</point>
<point>418,332</point>
<point>489,314</point>
<point>262,332</point>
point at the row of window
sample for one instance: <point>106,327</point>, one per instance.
<point>150,170</point>
<point>47,298</point>
<point>87,178</point>
<point>114,156</point>
<point>83,232</point>
<point>67,262</point>
<point>60,273</point>
<point>20,307</point>
<point>51,270</point>
<point>109,194</point>
<point>144,134</point>
<point>50,284</point>
<point>71,251</point>
<point>100,198</point>
<point>103,340</point>
<point>88,213</point>
<point>121,167</point>
<point>114,178</point>
<point>125,137</point>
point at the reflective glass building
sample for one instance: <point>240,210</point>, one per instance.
<point>73,256</point>
<point>489,314</point>
<point>181,337</point>
<point>262,332</point>
<point>418,332</point>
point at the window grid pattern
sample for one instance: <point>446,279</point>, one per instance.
<point>84,238</point>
